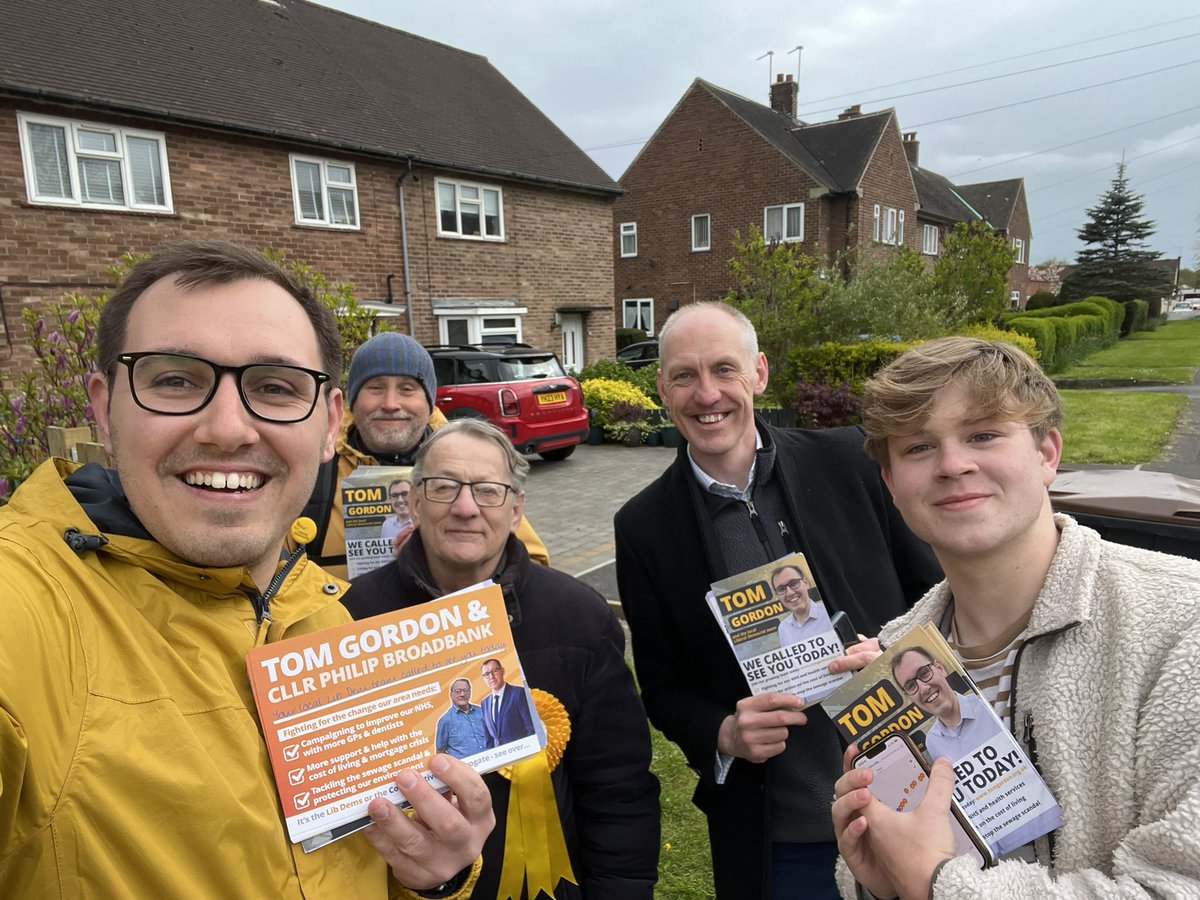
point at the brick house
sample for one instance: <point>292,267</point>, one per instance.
<point>720,163</point>
<point>412,169</point>
<point>1002,205</point>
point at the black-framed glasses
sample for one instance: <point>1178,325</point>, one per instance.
<point>923,675</point>
<point>439,489</point>
<point>175,384</point>
<point>793,585</point>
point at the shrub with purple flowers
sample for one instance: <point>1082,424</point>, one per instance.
<point>54,391</point>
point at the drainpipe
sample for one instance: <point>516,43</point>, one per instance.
<point>408,297</point>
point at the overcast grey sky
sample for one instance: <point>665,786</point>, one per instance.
<point>607,72</point>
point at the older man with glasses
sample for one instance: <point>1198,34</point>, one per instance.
<point>132,762</point>
<point>469,490</point>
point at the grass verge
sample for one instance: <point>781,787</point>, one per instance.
<point>1169,355</point>
<point>1119,427</point>
<point>685,864</point>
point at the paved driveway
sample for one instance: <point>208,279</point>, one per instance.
<point>571,504</point>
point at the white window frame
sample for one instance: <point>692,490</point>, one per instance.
<point>783,209</point>
<point>707,217</point>
<point>876,231</point>
<point>900,229</point>
<point>628,231</point>
<point>890,219</point>
<point>1014,299</point>
<point>460,187</point>
<point>643,308</point>
<point>476,317</point>
<point>1019,247</point>
<point>929,240</point>
<point>75,152</point>
<point>325,220</point>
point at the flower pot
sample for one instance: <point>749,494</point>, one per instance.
<point>633,438</point>
<point>670,436</point>
<point>654,439</point>
<point>595,436</point>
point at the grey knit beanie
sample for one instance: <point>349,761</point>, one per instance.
<point>392,353</point>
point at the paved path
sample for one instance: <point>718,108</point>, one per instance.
<point>1181,456</point>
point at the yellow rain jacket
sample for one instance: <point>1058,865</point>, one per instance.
<point>131,761</point>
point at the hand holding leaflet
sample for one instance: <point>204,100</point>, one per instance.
<point>779,629</point>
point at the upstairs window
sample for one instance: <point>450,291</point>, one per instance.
<point>784,222</point>
<point>465,210</point>
<point>628,239</point>
<point>1019,250</point>
<point>324,192</point>
<point>73,163</point>
<point>701,240</point>
<point>929,240</point>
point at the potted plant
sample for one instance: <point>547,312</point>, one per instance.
<point>626,423</point>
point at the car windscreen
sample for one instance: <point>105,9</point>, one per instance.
<point>519,368</point>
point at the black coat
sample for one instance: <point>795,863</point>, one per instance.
<point>865,562</point>
<point>570,645</point>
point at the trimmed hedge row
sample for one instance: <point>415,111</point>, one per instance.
<point>1065,334</point>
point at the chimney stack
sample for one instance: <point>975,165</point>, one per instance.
<point>784,93</point>
<point>912,147</point>
<point>852,112</point>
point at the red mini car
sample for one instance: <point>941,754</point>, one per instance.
<point>523,391</point>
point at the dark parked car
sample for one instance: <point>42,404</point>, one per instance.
<point>643,353</point>
<point>523,391</point>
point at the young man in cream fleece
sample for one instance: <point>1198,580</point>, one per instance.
<point>1093,646</point>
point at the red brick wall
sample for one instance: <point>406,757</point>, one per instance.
<point>704,159</point>
<point>888,182</point>
<point>557,248</point>
<point>1019,227</point>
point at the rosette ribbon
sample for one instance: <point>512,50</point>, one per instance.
<point>535,851</point>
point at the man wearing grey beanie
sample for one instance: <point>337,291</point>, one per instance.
<point>390,410</point>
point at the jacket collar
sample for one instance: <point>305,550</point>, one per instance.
<point>89,500</point>
<point>417,584</point>
<point>1065,600</point>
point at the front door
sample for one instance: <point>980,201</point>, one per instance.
<point>572,337</point>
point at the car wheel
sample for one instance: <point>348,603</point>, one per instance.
<point>557,455</point>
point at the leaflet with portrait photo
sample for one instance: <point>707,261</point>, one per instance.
<point>372,525</point>
<point>779,628</point>
<point>918,687</point>
<point>344,709</point>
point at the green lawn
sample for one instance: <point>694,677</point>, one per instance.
<point>1120,427</point>
<point>685,865</point>
<point>1170,355</point>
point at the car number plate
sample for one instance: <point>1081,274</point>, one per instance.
<point>556,397</point>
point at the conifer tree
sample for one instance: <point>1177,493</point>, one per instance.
<point>1117,262</point>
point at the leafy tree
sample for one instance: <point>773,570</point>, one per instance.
<point>885,296</point>
<point>777,287</point>
<point>1116,263</point>
<point>971,273</point>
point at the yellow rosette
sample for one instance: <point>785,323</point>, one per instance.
<point>535,852</point>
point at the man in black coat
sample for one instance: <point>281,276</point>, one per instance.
<point>742,494</point>
<point>468,493</point>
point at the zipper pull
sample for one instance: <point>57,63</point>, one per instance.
<point>783,528</point>
<point>753,511</point>
<point>1027,734</point>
